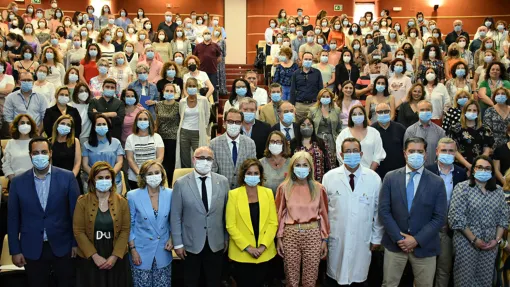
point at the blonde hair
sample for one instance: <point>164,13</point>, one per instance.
<point>289,180</point>
<point>321,94</point>
<point>95,170</point>
<point>459,93</point>
<point>70,136</point>
<point>145,168</point>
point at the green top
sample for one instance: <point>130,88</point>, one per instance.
<point>488,92</point>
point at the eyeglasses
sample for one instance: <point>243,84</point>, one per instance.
<point>485,168</point>
<point>207,158</point>
<point>383,112</point>
<point>275,142</point>
<point>231,122</point>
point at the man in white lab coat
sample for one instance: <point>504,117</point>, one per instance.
<point>353,195</point>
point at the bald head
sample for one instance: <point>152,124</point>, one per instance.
<point>382,107</point>
<point>203,151</point>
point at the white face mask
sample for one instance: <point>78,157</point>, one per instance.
<point>233,130</point>
<point>24,129</point>
<point>83,96</point>
<point>275,149</point>
<point>153,180</point>
<point>203,166</point>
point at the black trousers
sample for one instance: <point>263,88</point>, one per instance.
<point>38,271</point>
<point>250,274</point>
<point>206,261</point>
<point>169,159</point>
<point>330,282</point>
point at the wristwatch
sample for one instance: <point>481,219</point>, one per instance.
<point>474,240</point>
<point>131,247</point>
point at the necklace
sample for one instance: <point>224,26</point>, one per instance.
<point>103,202</point>
<point>277,163</point>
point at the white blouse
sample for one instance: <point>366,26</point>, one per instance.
<point>371,146</point>
<point>440,100</point>
<point>16,159</point>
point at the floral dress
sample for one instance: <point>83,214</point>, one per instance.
<point>498,125</point>
<point>222,75</point>
<point>451,118</point>
<point>471,142</point>
<point>323,161</point>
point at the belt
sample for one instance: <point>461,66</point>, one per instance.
<point>304,226</point>
<point>305,102</point>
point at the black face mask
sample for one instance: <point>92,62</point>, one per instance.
<point>192,67</point>
<point>454,53</point>
<point>61,33</point>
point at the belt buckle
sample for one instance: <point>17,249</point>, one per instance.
<point>299,228</point>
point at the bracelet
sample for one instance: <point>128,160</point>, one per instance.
<point>325,240</point>
<point>131,247</point>
<point>474,240</point>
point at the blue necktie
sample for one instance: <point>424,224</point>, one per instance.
<point>410,190</point>
<point>234,152</point>
<point>287,134</point>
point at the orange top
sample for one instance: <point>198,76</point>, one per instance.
<point>448,71</point>
<point>339,36</point>
<point>299,208</point>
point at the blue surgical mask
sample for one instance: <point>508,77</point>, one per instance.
<point>332,47</point>
<point>457,28</point>
<point>93,53</point>
<point>276,97</point>
<point>307,64</point>
<point>103,185</point>
<point>471,116</point>
<point>369,41</point>
<point>170,73</point>
<point>168,96</point>
<point>446,158</point>
<point>462,101</point>
<point>26,86</point>
<point>73,78</point>
<point>101,130</point>
<point>380,88</point>
<point>398,69</point>
<point>483,176</point>
<point>27,56</point>
<point>120,61</point>
<point>384,118</point>
<point>63,129</point>
<point>460,72</point>
<point>252,180</point>
<point>301,172</point>
<point>425,116</point>
<point>241,91</point>
<point>324,59</point>
<point>500,99</point>
<point>108,39</point>
<point>288,118</point>
<point>130,101</point>
<point>50,56</point>
<point>142,125</point>
<point>192,91</point>
<point>150,55</point>
<point>282,59</point>
<point>108,93</point>
<point>41,161</point>
<point>325,101</point>
<point>102,70</point>
<point>415,160</point>
<point>143,77</point>
<point>54,42</point>
<point>358,120</point>
<point>41,76</point>
<point>249,117</point>
<point>352,159</point>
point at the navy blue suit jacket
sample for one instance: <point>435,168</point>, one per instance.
<point>459,173</point>
<point>27,219</point>
<point>423,222</point>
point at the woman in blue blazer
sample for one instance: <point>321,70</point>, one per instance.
<point>150,244</point>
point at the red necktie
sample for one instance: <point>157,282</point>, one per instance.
<point>351,181</point>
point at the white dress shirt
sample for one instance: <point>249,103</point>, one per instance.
<point>208,185</point>
<point>231,145</point>
<point>416,179</point>
<point>291,130</point>
<point>357,175</point>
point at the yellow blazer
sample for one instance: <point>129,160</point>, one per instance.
<point>240,227</point>
<point>266,114</point>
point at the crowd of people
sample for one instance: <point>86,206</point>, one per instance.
<point>378,145</point>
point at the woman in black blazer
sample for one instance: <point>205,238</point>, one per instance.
<point>63,97</point>
<point>346,70</point>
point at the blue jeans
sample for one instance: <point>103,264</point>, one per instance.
<point>286,93</point>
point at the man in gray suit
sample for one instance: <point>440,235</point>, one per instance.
<point>198,223</point>
<point>232,148</point>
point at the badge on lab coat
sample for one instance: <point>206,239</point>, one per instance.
<point>364,199</point>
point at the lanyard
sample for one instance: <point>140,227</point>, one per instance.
<point>24,102</point>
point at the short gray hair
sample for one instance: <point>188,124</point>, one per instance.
<point>446,140</point>
<point>140,68</point>
<point>427,102</point>
<point>247,101</point>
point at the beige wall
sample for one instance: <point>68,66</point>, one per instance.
<point>235,25</point>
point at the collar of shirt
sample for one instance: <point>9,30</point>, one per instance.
<point>306,73</point>
<point>441,172</point>
<point>103,140</point>
<point>45,176</point>
<point>357,173</point>
<point>250,131</point>
<point>282,127</point>
<point>23,96</point>
<point>420,170</point>
<point>230,140</point>
<point>198,175</point>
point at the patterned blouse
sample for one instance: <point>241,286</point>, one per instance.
<point>498,125</point>
<point>168,119</point>
<point>471,141</point>
<point>435,64</point>
<point>283,76</point>
<point>322,159</point>
<point>451,117</point>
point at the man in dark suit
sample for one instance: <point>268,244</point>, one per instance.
<point>287,125</point>
<point>412,207</point>
<point>451,174</point>
<point>256,130</point>
<point>41,208</point>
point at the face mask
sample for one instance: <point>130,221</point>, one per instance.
<point>120,61</point>
<point>179,34</point>
<point>320,41</point>
<point>454,53</point>
<point>153,180</point>
<point>42,25</point>
<point>430,77</point>
<point>24,129</point>
<point>352,159</point>
<point>383,24</point>
<point>102,70</point>
<point>28,30</point>
<point>284,14</point>
<point>248,117</point>
<point>488,24</point>
<point>307,64</point>
<point>306,21</point>
<point>332,47</point>
<point>425,116</point>
<point>54,42</point>
<point>445,158</point>
<point>393,35</point>
<point>376,28</point>
<point>276,97</point>
<point>272,25</point>
<point>178,60</point>
<point>325,101</point>
<point>283,28</point>
<point>398,69</point>
<point>233,130</point>
<point>140,13</point>
<point>89,26</point>
<point>500,98</point>
<point>119,34</point>
<point>130,101</point>
<point>317,31</point>
<point>67,23</point>
<point>483,176</point>
<point>309,39</point>
<point>292,29</point>
<point>27,56</point>
<point>170,73</point>
<point>84,33</point>
<point>354,29</point>
<point>299,33</point>
<point>432,54</point>
<point>63,100</point>
<point>306,132</point>
<point>471,116</point>
<point>301,172</point>
<point>400,57</point>
<point>101,130</point>
<point>76,44</point>
<point>380,88</point>
<point>300,13</point>
<point>83,96</point>
<point>279,40</point>
<point>362,23</point>
<point>26,86</point>
<point>356,46</point>
<point>415,160</point>
<point>192,67</point>
<point>275,149</point>
<point>143,125</point>
<point>337,27</point>
<point>15,23</point>
<point>286,44</point>
<point>143,77</point>
<point>63,130</point>
<point>93,53</point>
<point>109,93</point>
<point>150,55</point>
<point>483,34</point>
<point>168,19</point>
<point>462,101</point>
<point>241,91</point>
<point>199,22</point>
<point>288,118</point>
<point>141,37</point>
<point>217,34</point>
<point>148,27</point>
<point>192,91</point>
<point>369,41</point>
<point>462,44</point>
<point>41,76</point>
<point>41,161</point>
<point>108,39</point>
<point>358,120</point>
<point>168,96</point>
<point>384,118</point>
<point>413,35</point>
<point>324,59</point>
<point>252,180</point>
<point>39,15</point>
<point>58,14</point>
<point>122,14</point>
<point>203,166</point>
<point>103,185</point>
<point>488,45</point>
<point>501,27</point>
<point>215,22</point>
<point>376,57</point>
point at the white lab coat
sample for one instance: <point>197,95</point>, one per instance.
<point>354,223</point>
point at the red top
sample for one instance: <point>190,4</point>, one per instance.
<point>208,55</point>
<point>89,70</point>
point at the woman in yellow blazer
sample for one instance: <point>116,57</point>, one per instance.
<point>252,223</point>
<point>101,225</point>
